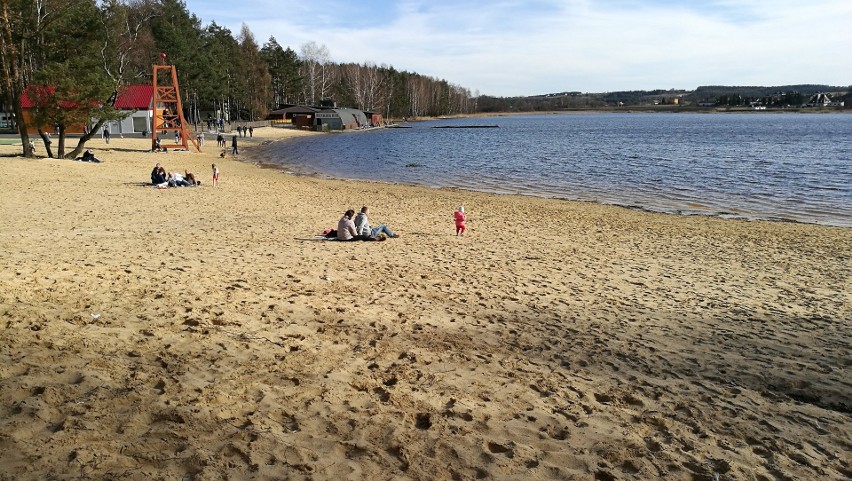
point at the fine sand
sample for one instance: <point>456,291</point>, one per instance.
<point>190,334</point>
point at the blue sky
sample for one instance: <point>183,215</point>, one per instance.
<point>509,48</point>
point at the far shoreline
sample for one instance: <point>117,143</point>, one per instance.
<point>634,110</point>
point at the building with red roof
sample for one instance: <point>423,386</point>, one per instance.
<point>138,100</point>
<point>135,97</point>
<point>135,100</point>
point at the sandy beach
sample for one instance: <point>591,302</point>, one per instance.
<point>202,334</point>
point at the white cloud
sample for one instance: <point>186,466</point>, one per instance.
<point>523,48</point>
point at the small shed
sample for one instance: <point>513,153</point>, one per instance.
<point>299,115</point>
<point>376,119</point>
<point>340,119</point>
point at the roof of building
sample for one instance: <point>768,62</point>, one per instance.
<point>135,97</point>
<point>295,109</point>
<point>131,97</point>
<point>350,116</point>
<point>26,101</point>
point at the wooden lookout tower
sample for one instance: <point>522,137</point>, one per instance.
<point>168,118</point>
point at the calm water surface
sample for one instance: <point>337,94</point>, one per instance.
<point>795,167</point>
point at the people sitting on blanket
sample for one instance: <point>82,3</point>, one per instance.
<point>158,175</point>
<point>190,178</point>
<point>89,156</point>
<point>346,229</point>
<point>177,180</point>
<point>362,226</point>
<point>172,179</point>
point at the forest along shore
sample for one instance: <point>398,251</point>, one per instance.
<point>190,333</point>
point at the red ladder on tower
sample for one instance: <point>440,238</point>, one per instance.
<point>168,111</point>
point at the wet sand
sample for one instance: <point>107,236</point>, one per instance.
<point>190,333</point>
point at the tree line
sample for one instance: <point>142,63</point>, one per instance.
<point>72,57</point>
<point>723,96</point>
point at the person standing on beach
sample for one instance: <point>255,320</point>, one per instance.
<point>460,218</point>
<point>215,175</point>
<point>234,149</point>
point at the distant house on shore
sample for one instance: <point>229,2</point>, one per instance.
<point>325,118</point>
<point>300,116</point>
<point>375,118</point>
<point>819,100</point>
<point>340,119</point>
<point>134,100</point>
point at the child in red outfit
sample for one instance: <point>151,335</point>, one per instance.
<point>460,217</point>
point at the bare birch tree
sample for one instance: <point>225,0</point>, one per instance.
<point>316,72</point>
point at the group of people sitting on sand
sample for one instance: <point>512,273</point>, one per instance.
<point>163,180</point>
<point>353,227</point>
<point>88,156</point>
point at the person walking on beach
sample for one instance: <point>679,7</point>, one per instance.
<point>234,149</point>
<point>460,217</point>
<point>215,175</point>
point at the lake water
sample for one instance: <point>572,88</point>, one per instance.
<point>794,167</point>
